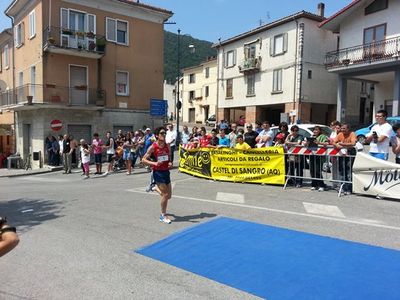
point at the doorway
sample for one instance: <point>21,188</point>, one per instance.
<point>78,85</point>
<point>192,115</point>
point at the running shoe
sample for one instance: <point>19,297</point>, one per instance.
<point>313,188</point>
<point>321,189</point>
<point>164,219</point>
<point>150,188</point>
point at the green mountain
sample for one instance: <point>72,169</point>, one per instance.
<point>188,59</point>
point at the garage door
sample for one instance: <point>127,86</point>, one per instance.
<point>81,132</point>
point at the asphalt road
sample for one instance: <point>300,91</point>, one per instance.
<point>78,236</point>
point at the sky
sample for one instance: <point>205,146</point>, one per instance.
<point>213,19</point>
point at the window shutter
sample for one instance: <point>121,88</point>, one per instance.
<point>22,32</point>
<point>234,57</point>
<point>285,42</point>
<point>16,42</point>
<point>91,23</point>
<point>111,27</point>
<point>64,18</point>
<point>271,46</point>
<point>226,59</point>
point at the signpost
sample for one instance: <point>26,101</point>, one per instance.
<point>56,125</point>
<point>158,108</point>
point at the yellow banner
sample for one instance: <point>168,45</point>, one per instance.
<point>263,165</point>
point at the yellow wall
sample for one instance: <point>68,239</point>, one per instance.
<point>143,59</point>
<point>30,53</point>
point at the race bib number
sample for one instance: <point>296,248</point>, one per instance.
<point>163,158</point>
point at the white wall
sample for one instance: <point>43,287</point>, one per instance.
<point>199,87</point>
<point>169,95</point>
<point>352,28</point>
<point>320,89</point>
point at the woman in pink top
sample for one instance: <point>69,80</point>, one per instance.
<point>97,146</point>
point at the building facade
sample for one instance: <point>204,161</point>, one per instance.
<point>199,92</point>
<point>276,72</point>
<point>92,65</point>
<point>368,51</point>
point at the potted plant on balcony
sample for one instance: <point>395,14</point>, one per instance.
<point>100,44</point>
<point>90,34</point>
<point>92,46</point>
<point>66,31</point>
<point>80,33</point>
<point>51,40</point>
<point>29,99</point>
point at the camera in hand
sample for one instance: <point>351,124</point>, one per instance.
<point>375,136</point>
<point>3,220</point>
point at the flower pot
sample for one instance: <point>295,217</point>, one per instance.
<point>29,99</point>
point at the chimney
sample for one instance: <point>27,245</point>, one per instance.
<point>321,9</point>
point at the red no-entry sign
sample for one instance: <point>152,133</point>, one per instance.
<point>56,125</point>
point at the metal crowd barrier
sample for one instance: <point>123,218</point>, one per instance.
<point>320,166</point>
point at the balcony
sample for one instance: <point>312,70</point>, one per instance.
<point>72,42</point>
<point>366,54</point>
<point>50,94</point>
<point>250,65</point>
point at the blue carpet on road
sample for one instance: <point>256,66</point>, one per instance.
<point>277,263</point>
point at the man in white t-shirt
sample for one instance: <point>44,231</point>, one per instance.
<point>379,137</point>
<point>170,139</point>
<point>266,136</point>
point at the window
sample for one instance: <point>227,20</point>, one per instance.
<point>309,74</point>
<point>277,81</point>
<point>229,88</point>
<point>250,51</point>
<point>111,29</point>
<point>1,61</point>
<point>375,6</point>
<point>230,59</point>
<point>122,83</point>
<point>191,95</point>
<point>251,78</point>
<point>192,78</point>
<point>207,91</point>
<point>32,24</point>
<point>117,31</point>
<point>122,32</point>
<point>278,44</point>
<point>375,34</point>
<point>6,57</point>
<point>207,72</point>
<point>19,35</point>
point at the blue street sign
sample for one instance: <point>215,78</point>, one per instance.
<point>158,108</point>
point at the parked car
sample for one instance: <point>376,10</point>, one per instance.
<point>241,121</point>
<point>306,130</point>
<point>211,121</point>
<point>363,132</point>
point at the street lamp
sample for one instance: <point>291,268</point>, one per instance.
<point>178,103</point>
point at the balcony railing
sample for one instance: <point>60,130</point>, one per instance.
<point>73,42</point>
<point>385,50</point>
<point>52,94</point>
<point>252,64</point>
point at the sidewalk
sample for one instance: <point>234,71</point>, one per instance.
<point>4,172</point>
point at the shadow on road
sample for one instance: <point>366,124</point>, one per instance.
<point>192,218</point>
<point>25,213</point>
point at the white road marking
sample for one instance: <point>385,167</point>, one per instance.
<point>43,179</point>
<point>341,220</point>
<point>322,209</point>
<point>229,197</point>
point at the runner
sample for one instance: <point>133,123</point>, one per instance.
<point>161,175</point>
